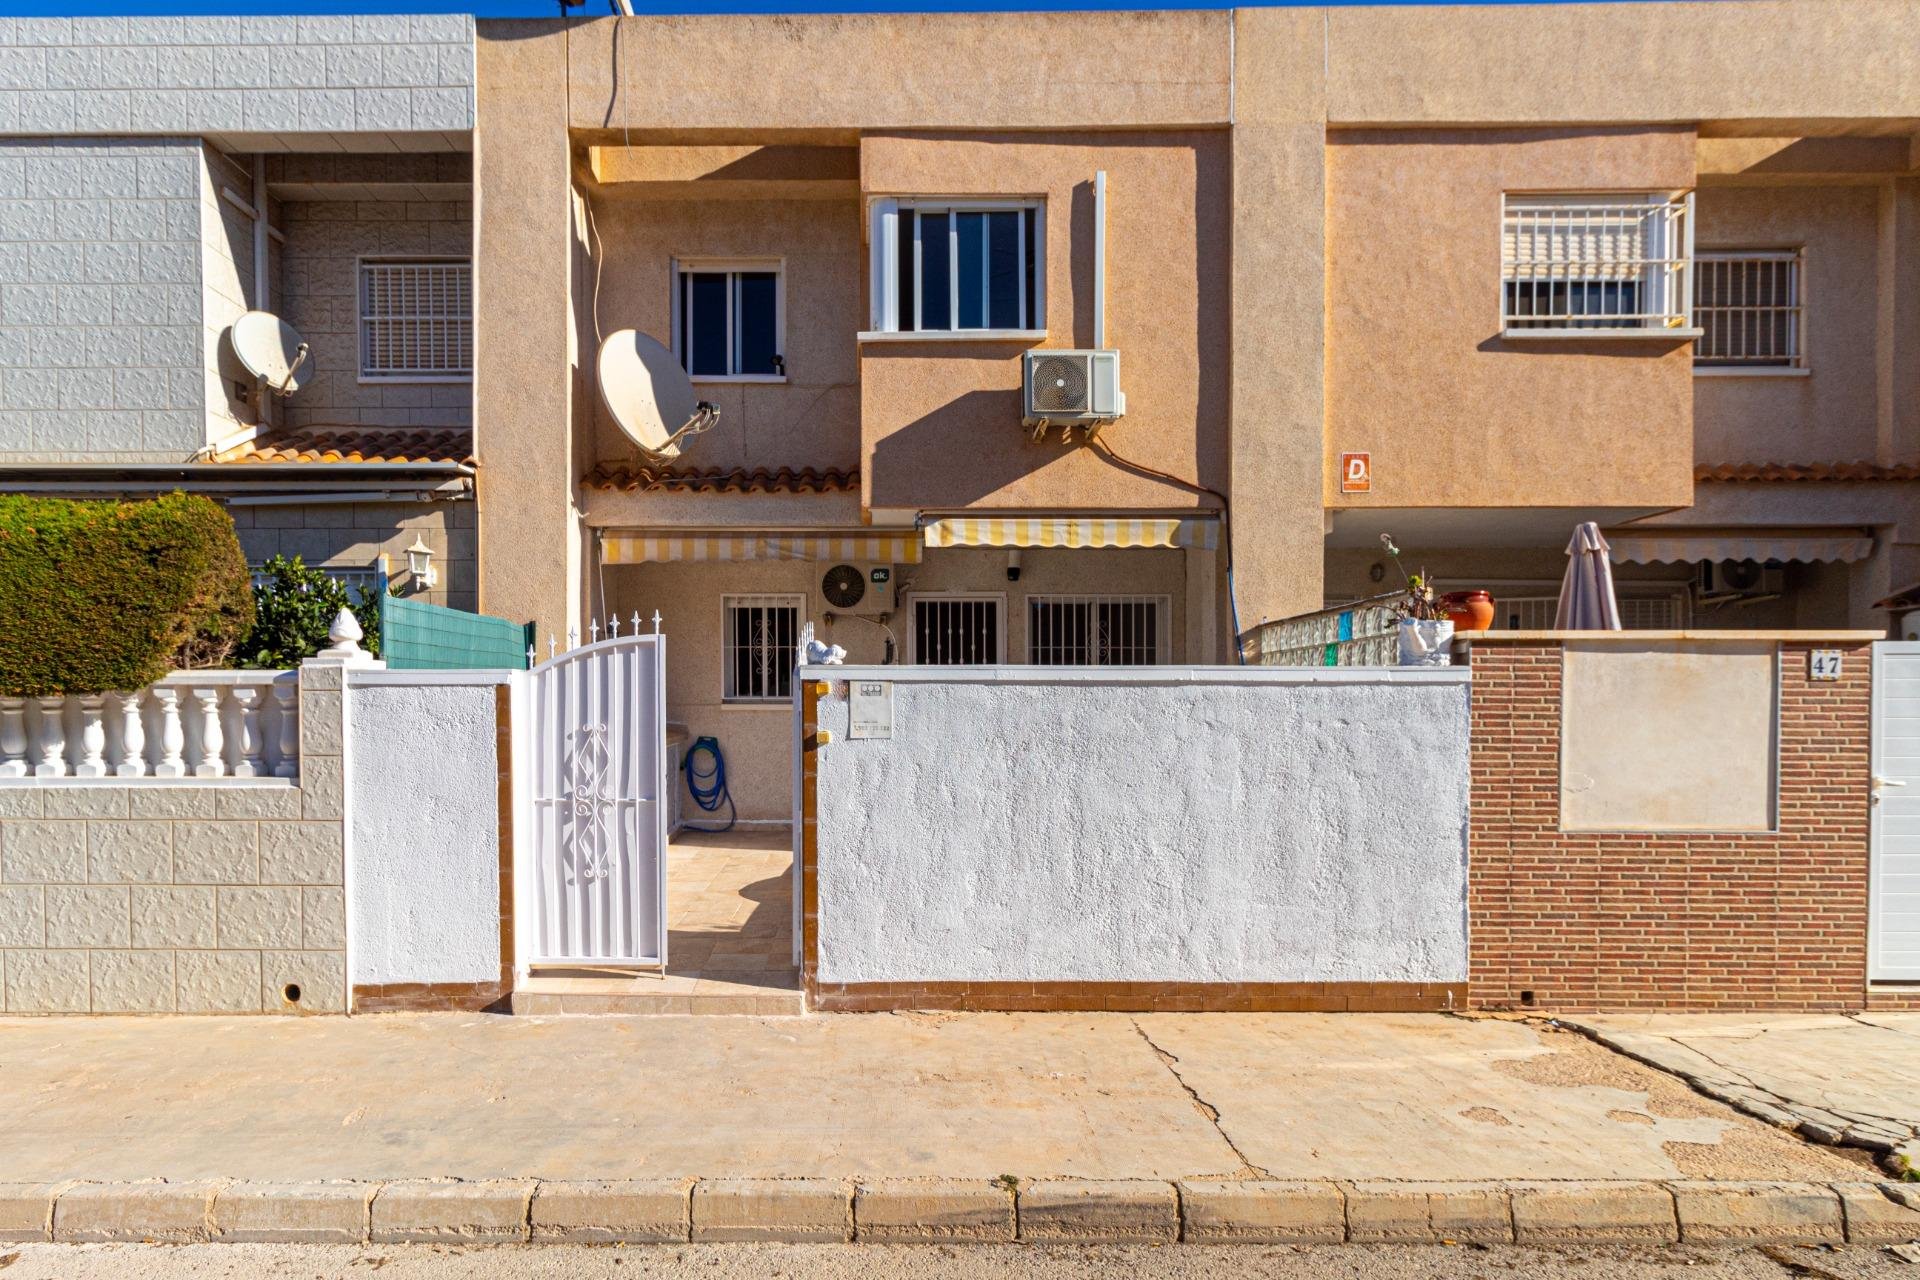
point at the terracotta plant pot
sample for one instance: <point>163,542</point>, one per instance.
<point>1469,610</point>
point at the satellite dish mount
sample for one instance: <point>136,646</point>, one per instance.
<point>650,395</point>
<point>271,351</point>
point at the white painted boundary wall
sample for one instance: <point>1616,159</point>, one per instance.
<point>423,862</point>
<point>1220,824</point>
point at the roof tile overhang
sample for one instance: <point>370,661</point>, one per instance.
<point>629,477</point>
<point>441,446</point>
<point>1804,472</point>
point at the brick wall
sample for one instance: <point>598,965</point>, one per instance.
<point>1692,921</point>
<point>180,896</point>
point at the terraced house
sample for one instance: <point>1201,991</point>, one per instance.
<point>1350,284</point>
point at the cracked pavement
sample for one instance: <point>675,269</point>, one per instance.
<point>1165,1096</point>
<point>1846,1079</point>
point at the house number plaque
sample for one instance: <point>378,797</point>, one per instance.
<point>1823,664</point>
<point>870,709</point>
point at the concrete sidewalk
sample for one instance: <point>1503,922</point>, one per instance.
<point>1843,1079</point>
<point>1041,1127</point>
<point>1171,1096</point>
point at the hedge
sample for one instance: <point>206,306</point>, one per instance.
<point>98,596</point>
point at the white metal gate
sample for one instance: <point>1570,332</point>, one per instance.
<point>593,800</point>
<point>1893,922</point>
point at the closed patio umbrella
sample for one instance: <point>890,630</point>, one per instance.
<point>1586,593</point>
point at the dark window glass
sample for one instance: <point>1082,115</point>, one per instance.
<point>904,270</point>
<point>685,303</point>
<point>755,317</point>
<point>1028,231</point>
<point>1574,304</point>
<point>707,331</point>
<point>935,279</point>
<point>1003,270</point>
<point>972,256</point>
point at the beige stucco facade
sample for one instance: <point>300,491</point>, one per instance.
<point>1303,260</point>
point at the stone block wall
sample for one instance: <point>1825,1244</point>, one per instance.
<point>320,283</point>
<point>386,73</point>
<point>100,306</point>
<point>181,896</point>
<point>1720,922</point>
<point>351,535</point>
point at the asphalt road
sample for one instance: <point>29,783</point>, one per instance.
<point>1012,1262</point>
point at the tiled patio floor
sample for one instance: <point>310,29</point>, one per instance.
<point>729,937</point>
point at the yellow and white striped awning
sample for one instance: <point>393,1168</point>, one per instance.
<point>1071,531</point>
<point>644,547</point>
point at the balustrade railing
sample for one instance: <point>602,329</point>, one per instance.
<point>193,724</point>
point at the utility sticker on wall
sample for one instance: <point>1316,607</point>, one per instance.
<point>870,709</point>
<point>1356,473</point>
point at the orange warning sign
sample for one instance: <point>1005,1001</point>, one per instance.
<point>1356,473</point>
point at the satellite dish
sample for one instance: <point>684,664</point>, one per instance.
<point>270,350</point>
<point>650,395</point>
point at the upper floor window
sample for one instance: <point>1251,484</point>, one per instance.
<point>959,266</point>
<point>1578,263</point>
<point>730,319</point>
<point>416,319</point>
<point>1747,304</point>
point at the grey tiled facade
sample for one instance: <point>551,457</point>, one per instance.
<point>100,298</point>
<point>236,75</point>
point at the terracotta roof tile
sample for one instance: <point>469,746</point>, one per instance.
<point>1790,472</point>
<point>355,444</point>
<point>632,476</point>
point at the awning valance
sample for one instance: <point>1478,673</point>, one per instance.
<point>725,546</point>
<point>1676,547</point>
<point>1070,531</point>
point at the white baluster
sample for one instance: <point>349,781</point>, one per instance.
<point>250,758</point>
<point>133,738</point>
<point>53,739</point>
<point>286,696</point>
<point>13,738</point>
<point>173,736</point>
<point>93,737</point>
<point>212,762</point>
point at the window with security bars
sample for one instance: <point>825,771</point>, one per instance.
<point>943,266</point>
<point>956,631</point>
<point>1595,262</point>
<point>1747,305</point>
<point>416,319</point>
<point>760,638</point>
<point>1637,613</point>
<point>1095,631</point>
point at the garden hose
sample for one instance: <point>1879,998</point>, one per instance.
<point>709,786</point>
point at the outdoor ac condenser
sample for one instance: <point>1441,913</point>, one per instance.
<point>1071,387</point>
<point>857,590</point>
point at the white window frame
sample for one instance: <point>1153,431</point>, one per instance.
<point>1665,268</point>
<point>1162,627</point>
<point>731,267</point>
<point>363,318</point>
<point>884,241</point>
<point>756,599</point>
<point>956,597</point>
<point>1796,364</point>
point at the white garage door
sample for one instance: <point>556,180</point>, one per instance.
<point>1894,932</point>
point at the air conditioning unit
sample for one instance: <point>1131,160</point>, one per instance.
<point>1724,579</point>
<point>1071,387</point>
<point>857,590</point>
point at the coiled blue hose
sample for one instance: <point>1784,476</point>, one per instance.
<point>709,786</point>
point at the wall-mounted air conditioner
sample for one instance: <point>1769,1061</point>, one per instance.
<point>1071,387</point>
<point>857,590</point>
<point>1726,579</point>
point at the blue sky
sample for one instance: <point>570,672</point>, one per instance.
<point>547,8</point>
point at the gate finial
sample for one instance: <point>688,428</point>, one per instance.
<point>656,622</point>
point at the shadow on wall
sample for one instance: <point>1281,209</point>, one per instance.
<point>964,451</point>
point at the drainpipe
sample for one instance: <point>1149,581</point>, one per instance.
<point>1100,260</point>
<point>262,295</point>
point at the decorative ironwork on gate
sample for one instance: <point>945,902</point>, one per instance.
<point>598,791</point>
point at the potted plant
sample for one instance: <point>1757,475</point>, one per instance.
<point>1426,630</point>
